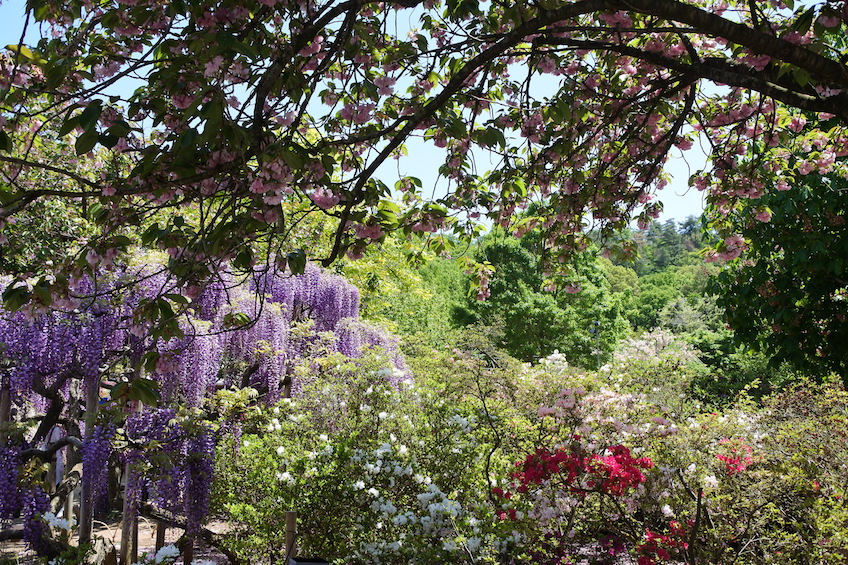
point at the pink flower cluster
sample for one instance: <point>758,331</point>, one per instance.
<point>657,548</point>
<point>739,458</point>
<point>581,472</point>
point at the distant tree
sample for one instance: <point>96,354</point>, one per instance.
<point>693,234</point>
<point>580,317</point>
<point>665,244</point>
<point>406,298</point>
<point>683,315</point>
<point>655,292</point>
<point>621,278</point>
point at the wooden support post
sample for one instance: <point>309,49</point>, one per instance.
<point>129,522</point>
<point>188,548</point>
<point>291,535</point>
<point>69,505</point>
<point>134,540</point>
<point>287,386</point>
<point>161,527</point>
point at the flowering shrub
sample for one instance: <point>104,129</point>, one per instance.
<point>581,472</point>
<point>377,474</point>
<point>739,456</point>
<point>480,460</point>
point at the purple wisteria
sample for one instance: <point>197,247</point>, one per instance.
<point>10,501</point>
<point>236,333</point>
<point>96,451</point>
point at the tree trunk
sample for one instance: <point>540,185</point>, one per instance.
<point>129,520</point>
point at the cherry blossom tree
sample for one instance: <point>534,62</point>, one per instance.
<point>214,129</point>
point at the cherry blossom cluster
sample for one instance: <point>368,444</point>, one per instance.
<point>293,108</point>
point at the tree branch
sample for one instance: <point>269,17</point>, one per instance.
<point>46,454</point>
<point>821,68</point>
<point>721,71</point>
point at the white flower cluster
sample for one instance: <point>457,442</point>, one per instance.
<point>554,363</point>
<point>462,423</point>
<point>59,523</point>
<point>379,461</point>
<point>286,477</point>
<point>410,530</point>
<point>274,425</point>
<point>167,554</point>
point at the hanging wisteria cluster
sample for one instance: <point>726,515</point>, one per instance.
<point>237,333</point>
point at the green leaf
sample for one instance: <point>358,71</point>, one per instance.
<point>90,116</point>
<point>802,77</point>
<point>55,75</point>
<point>119,128</point>
<point>144,391</point>
<point>292,159</point>
<point>297,261</point>
<point>118,391</point>
<point>96,211</point>
<point>149,360</point>
<point>25,52</point>
<point>213,113</point>
<point>15,297</point>
<point>804,21</point>
<point>165,309</point>
<point>494,136</point>
<point>5,142</point>
<point>243,260</point>
<point>6,195</point>
<point>178,298</point>
<point>108,140</point>
<point>186,141</point>
<point>177,7</point>
<point>69,125</point>
<point>86,141</point>
<point>42,291</point>
<point>236,320</point>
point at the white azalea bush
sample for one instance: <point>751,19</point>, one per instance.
<point>377,474</point>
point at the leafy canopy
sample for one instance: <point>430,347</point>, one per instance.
<point>213,129</point>
<point>788,294</point>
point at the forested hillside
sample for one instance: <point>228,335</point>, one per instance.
<point>669,286</point>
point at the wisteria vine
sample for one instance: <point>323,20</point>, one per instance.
<point>236,333</point>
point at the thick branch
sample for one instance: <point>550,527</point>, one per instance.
<point>46,454</point>
<point>32,195</point>
<point>821,68</point>
<point>721,71</point>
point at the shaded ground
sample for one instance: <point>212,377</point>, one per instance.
<point>17,552</point>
